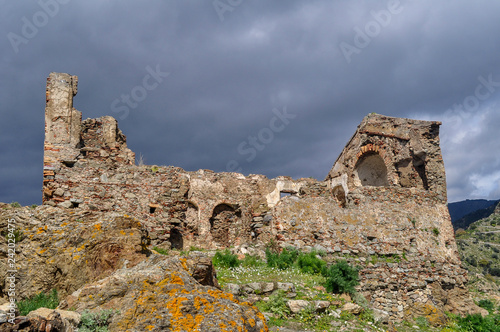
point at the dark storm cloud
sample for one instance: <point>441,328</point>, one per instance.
<point>226,76</point>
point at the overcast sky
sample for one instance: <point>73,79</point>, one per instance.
<point>259,86</point>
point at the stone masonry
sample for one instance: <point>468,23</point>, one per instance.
<point>384,198</point>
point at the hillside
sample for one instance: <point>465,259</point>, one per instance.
<point>479,247</point>
<point>462,208</point>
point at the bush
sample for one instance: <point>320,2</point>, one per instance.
<point>15,205</point>
<point>435,231</point>
<point>476,322</point>
<point>283,260</point>
<point>252,261</point>
<point>341,278</point>
<point>486,304</point>
<point>484,262</point>
<point>310,263</point>
<point>41,300</point>
<point>225,259</point>
<point>495,271</point>
<point>95,321</point>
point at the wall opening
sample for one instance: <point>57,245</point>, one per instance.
<point>371,171</point>
<point>223,217</point>
<point>176,240</point>
<point>192,219</point>
<point>74,205</point>
<point>420,168</point>
<point>339,194</point>
<point>284,194</point>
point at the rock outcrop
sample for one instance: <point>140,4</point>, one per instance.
<point>101,261</point>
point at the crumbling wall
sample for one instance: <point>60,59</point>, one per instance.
<point>385,197</point>
<point>392,152</point>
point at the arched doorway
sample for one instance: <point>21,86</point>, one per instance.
<point>223,217</point>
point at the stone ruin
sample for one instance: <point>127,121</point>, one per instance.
<point>383,199</point>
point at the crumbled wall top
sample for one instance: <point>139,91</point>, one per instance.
<point>396,152</point>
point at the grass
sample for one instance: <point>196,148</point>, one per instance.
<point>225,259</point>
<point>244,275</point>
<point>41,300</point>
<point>161,251</point>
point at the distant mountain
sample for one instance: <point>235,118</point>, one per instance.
<point>468,219</point>
<point>463,208</point>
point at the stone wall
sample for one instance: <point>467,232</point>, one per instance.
<point>384,199</point>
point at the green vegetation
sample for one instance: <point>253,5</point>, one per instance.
<point>310,263</point>
<point>341,278</point>
<point>276,305</point>
<point>225,259</point>
<point>16,234</point>
<point>486,304</point>
<point>435,231</point>
<point>476,322</point>
<point>154,169</point>
<point>252,261</point>
<point>33,206</point>
<point>15,205</point>
<point>40,300</point>
<point>160,250</point>
<point>95,321</point>
<point>283,260</point>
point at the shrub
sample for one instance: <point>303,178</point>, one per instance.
<point>41,300</point>
<point>341,277</point>
<point>252,261</point>
<point>310,263</point>
<point>476,322</point>
<point>435,231</point>
<point>495,271</point>
<point>486,304</point>
<point>225,259</point>
<point>283,260</point>
<point>484,262</point>
<point>15,205</point>
<point>95,321</point>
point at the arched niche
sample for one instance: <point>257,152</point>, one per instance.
<point>371,170</point>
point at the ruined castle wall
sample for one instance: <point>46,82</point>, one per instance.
<point>383,200</point>
<point>397,152</point>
